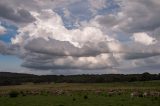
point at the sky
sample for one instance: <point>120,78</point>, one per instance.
<point>80,36</point>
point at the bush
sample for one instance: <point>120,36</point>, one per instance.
<point>13,94</point>
<point>85,97</point>
<point>60,105</point>
<point>22,93</point>
<point>74,99</point>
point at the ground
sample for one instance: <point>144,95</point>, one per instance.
<point>69,94</point>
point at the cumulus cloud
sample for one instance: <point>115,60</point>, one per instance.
<point>143,38</point>
<point>2,30</point>
<point>134,16</point>
<point>47,44</point>
<point>6,49</point>
<point>139,50</point>
<point>65,48</point>
<point>48,24</point>
<point>85,48</point>
<point>110,40</point>
<point>102,61</point>
<point>16,15</point>
<point>143,15</point>
<point>135,20</point>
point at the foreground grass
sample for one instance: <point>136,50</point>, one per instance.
<point>75,94</point>
<point>79,100</point>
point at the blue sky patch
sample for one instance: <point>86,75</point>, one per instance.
<point>11,32</point>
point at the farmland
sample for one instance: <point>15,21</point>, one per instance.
<point>82,94</point>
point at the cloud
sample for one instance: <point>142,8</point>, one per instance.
<point>140,55</point>
<point>2,30</point>
<point>47,44</point>
<point>148,61</point>
<point>66,13</point>
<point>48,24</point>
<point>139,50</point>
<point>16,15</point>
<point>6,49</point>
<point>65,48</point>
<point>102,61</point>
<point>133,16</point>
<point>142,15</point>
<point>2,47</point>
<point>116,40</point>
<point>97,5</point>
<point>150,64</point>
<point>143,38</point>
<point>135,20</point>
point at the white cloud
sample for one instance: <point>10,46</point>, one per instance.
<point>48,24</point>
<point>143,38</point>
<point>47,44</point>
<point>102,42</point>
<point>2,30</point>
<point>83,48</point>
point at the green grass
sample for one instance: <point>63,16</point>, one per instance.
<point>75,92</point>
<point>92,100</point>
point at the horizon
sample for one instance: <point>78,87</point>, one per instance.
<point>78,74</point>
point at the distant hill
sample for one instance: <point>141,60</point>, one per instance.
<point>8,78</point>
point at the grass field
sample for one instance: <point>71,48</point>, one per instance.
<point>69,94</point>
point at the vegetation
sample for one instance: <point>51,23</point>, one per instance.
<point>13,94</point>
<point>93,100</point>
<point>144,93</point>
<point>17,79</point>
<point>111,90</point>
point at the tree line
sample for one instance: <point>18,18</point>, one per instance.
<point>7,78</point>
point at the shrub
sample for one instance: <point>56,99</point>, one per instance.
<point>22,93</point>
<point>60,105</point>
<point>13,94</point>
<point>74,99</point>
<point>85,97</point>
